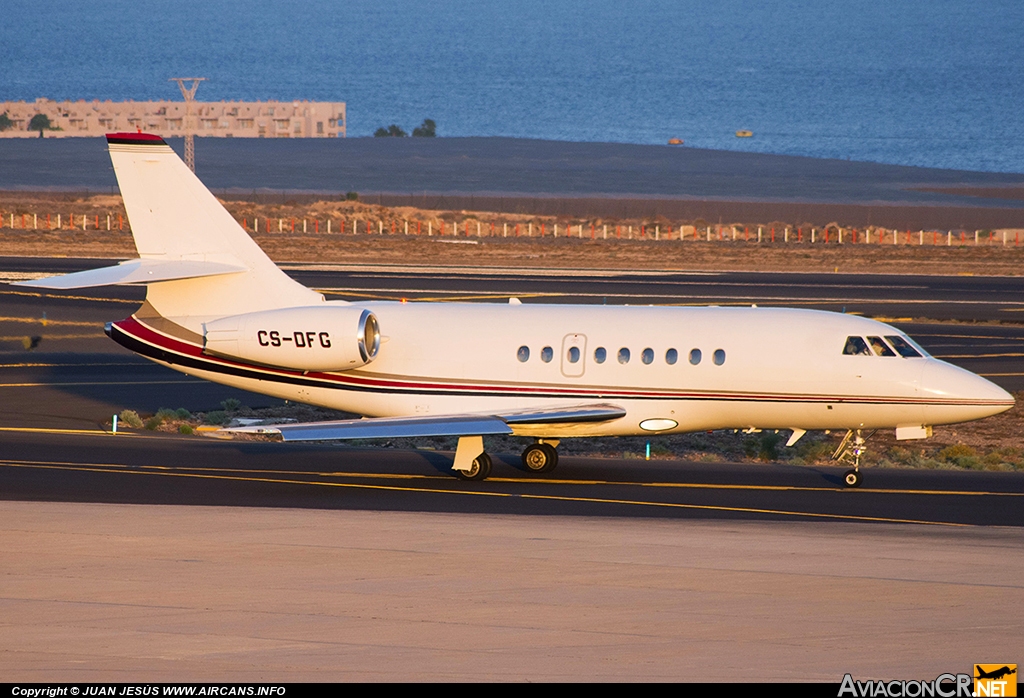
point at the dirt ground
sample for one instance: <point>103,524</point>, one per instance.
<point>499,247</point>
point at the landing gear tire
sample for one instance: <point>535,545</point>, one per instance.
<point>540,458</point>
<point>479,470</point>
<point>850,450</point>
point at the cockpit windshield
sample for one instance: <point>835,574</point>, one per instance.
<point>880,347</point>
<point>903,346</point>
<point>876,346</point>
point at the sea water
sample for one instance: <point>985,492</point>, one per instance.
<point>920,82</point>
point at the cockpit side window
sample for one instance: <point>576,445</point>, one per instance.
<point>902,346</point>
<point>880,347</point>
<point>856,346</point>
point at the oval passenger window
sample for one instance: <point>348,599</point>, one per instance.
<point>574,354</point>
<point>523,354</point>
<point>647,356</point>
<point>671,356</point>
<point>623,355</point>
<point>695,356</point>
<point>600,355</point>
<point>546,354</point>
<point>719,357</point>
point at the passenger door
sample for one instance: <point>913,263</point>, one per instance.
<point>574,355</point>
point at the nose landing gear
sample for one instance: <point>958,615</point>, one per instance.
<point>851,448</point>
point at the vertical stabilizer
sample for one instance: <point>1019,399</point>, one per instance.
<point>174,216</point>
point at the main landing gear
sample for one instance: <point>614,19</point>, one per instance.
<point>479,469</point>
<point>540,457</point>
<point>471,461</point>
<point>851,448</point>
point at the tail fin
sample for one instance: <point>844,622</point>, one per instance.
<point>174,217</point>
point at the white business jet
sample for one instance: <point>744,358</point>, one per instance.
<point>218,308</point>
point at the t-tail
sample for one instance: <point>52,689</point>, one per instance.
<point>196,260</point>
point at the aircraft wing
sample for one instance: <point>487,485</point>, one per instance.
<point>441,425</point>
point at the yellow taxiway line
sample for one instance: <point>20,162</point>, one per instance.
<point>55,296</point>
<point>46,322</point>
<point>71,365</point>
<point>60,385</point>
<point>44,430</point>
<point>118,467</point>
<point>114,468</point>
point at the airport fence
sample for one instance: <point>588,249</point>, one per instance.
<point>473,227</point>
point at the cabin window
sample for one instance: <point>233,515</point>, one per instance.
<point>695,356</point>
<point>902,346</point>
<point>671,356</point>
<point>600,355</point>
<point>523,354</point>
<point>647,355</point>
<point>856,346</point>
<point>880,347</point>
<point>574,355</point>
<point>546,354</point>
<point>719,357</point>
<point>623,355</point>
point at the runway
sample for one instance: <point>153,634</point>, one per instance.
<point>90,466</point>
<point>163,557</point>
<point>518,167</point>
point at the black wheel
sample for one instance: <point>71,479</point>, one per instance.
<point>540,458</point>
<point>851,478</point>
<point>479,470</point>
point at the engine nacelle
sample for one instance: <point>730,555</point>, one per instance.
<point>322,338</point>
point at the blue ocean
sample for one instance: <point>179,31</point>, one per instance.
<point>936,83</point>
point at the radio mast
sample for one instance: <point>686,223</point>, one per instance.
<point>189,93</point>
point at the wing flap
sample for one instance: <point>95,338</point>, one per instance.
<point>568,415</point>
<point>384,428</point>
<point>135,271</point>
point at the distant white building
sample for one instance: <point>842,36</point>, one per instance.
<point>301,119</point>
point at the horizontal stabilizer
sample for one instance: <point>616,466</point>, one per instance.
<point>136,271</point>
<point>450,425</point>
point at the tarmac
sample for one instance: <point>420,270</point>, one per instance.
<point>514,167</point>
<point>94,592</point>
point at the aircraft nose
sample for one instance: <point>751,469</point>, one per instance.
<point>978,397</point>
